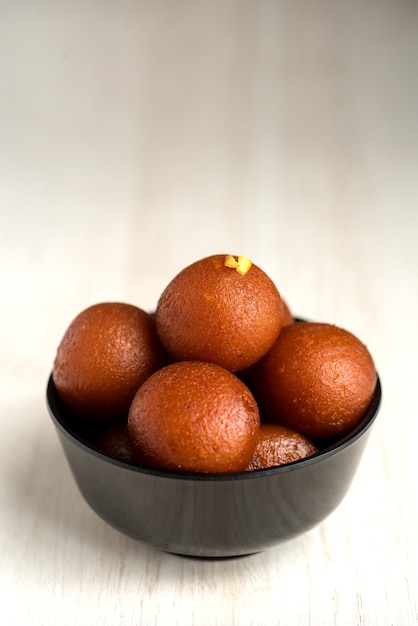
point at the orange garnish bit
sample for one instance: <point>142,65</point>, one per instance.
<point>241,264</point>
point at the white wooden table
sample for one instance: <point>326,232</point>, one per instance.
<point>137,137</point>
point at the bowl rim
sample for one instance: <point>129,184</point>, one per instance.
<point>345,441</point>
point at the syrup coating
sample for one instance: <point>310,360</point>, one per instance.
<point>278,445</point>
<point>194,416</point>
<point>116,442</point>
<point>213,311</point>
<point>106,353</point>
<point>287,314</point>
<point>317,379</point>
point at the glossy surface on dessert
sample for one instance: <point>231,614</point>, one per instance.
<point>212,312</point>
<point>194,416</point>
<point>318,379</point>
<point>106,353</point>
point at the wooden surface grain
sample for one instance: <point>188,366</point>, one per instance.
<point>136,137</point>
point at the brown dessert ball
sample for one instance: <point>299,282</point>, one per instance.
<point>219,311</point>
<point>194,416</point>
<point>246,374</point>
<point>106,353</point>
<point>278,445</point>
<point>116,441</point>
<point>317,378</point>
<point>287,317</point>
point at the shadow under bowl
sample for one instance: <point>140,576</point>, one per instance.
<point>211,515</point>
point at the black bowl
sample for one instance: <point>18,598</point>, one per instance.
<point>211,515</point>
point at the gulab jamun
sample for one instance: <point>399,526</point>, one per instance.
<point>106,353</point>
<point>194,416</point>
<point>317,378</point>
<point>116,441</point>
<point>221,309</point>
<point>278,445</point>
<point>287,314</point>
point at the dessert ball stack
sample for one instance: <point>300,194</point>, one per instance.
<point>222,379</point>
